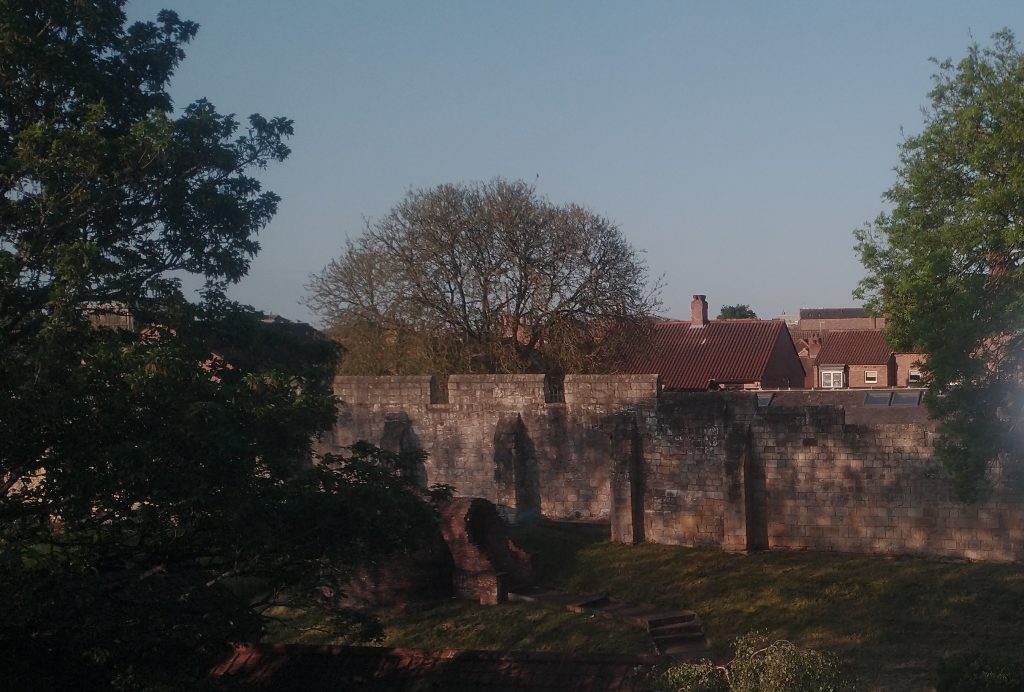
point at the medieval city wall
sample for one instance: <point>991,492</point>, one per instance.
<point>684,468</point>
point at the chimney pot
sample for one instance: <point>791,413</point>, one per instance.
<point>699,311</point>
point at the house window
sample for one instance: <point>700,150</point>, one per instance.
<point>832,379</point>
<point>914,377</point>
<point>870,377</point>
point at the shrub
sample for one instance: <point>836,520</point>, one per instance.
<point>981,672</point>
<point>760,665</point>
<point>697,677</point>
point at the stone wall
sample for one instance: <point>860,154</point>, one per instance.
<point>815,470</point>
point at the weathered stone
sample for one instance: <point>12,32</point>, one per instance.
<point>748,477</point>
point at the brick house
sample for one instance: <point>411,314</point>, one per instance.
<point>702,354</point>
<point>856,359</point>
<point>908,369</point>
<point>862,359</point>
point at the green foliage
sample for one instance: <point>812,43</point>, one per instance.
<point>736,312</point>
<point>945,265</point>
<point>981,672</point>
<point>760,665</point>
<point>485,277</point>
<point>152,477</point>
<point>703,676</point>
<point>146,471</point>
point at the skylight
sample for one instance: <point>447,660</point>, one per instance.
<point>906,398</point>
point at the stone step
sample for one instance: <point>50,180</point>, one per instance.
<point>679,617</point>
<point>678,628</point>
<point>677,638</point>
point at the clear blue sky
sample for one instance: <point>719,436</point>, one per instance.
<point>738,143</point>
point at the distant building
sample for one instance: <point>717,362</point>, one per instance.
<point>702,354</point>
<point>792,321</point>
<point>855,359</point>
<point>825,319</point>
<point>110,316</point>
<point>863,359</point>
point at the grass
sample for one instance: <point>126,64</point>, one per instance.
<point>456,624</point>
<point>891,619</point>
<point>513,627</point>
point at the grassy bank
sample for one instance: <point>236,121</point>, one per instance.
<point>892,619</point>
<point>513,627</point>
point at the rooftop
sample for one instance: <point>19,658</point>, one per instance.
<point>725,351</point>
<point>855,347</point>
<point>832,313</point>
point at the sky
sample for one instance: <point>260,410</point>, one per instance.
<point>739,144</point>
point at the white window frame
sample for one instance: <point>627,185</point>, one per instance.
<point>914,376</point>
<point>832,374</point>
<point>870,377</point>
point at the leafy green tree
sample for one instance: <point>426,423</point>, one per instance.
<point>946,265</point>
<point>485,277</point>
<point>736,312</point>
<point>155,480</point>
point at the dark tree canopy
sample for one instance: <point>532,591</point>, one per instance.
<point>155,481</point>
<point>736,312</point>
<point>485,277</point>
<point>946,265</point>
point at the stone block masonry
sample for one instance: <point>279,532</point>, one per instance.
<point>692,469</point>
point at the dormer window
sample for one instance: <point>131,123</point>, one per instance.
<point>832,378</point>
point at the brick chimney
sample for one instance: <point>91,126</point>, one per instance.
<point>699,311</point>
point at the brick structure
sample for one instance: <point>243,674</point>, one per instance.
<point>702,354</point>
<point>859,359</point>
<point>486,561</point>
<point>825,319</point>
<point>908,369</point>
<point>846,471</point>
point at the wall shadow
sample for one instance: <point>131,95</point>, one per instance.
<point>515,466</point>
<point>399,437</point>
<point>755,496</point>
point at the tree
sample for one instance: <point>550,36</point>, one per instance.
<point>736,312</point>
<point>485,277</point>
<point>152,480</point>
<point>945,265</point>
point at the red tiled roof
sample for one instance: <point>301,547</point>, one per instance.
<point>831,313</point>
<point>331,668</point>
<point>726,351</point>
<point>854,347</point>
<point>806,340</point>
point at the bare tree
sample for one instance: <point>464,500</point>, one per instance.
<point>485,277</point>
